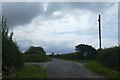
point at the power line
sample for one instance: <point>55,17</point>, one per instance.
<point>108,7</point>
<point>99,20</point>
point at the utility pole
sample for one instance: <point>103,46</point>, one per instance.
<point>99,20</point>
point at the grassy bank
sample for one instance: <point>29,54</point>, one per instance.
<point>108,72</point>
<point>31,71</point>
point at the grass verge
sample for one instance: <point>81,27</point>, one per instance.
<point>95,67</point>
<point>31,71</point>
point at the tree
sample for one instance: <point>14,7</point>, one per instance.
<point>52,54</point>
<point>35,50</point>
<point>86,51</point>
<point>35,54</point>
<point>58,55</point>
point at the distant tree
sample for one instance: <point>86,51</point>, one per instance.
<point>58,55</point>
<point>35,50</point>
<point>87,51</point>
<point>52,54</point>
<point>35,54</point>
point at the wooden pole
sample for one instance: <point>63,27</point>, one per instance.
<point>99,20</point>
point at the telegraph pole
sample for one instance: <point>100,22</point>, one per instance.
<point>99,20</point>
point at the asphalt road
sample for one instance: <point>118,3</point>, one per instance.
<point>66,69</point>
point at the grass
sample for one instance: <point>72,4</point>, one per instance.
<point>95,67</point>
<point>31,71</point>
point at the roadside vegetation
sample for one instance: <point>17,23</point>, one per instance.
<point>102,70</point>
<point>11,56</point>
<point>31,71</point>
<point>94,66</point>
<point>35,54</point>
<point>109,57</point>
<point>13,59</point>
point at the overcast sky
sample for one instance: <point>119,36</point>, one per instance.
<point>59,26</point>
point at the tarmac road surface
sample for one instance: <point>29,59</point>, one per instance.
<point>66,69</point>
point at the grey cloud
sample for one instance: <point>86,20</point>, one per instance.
<point>92,6</point>
<point>54,6</point>
<point>95,7</point>
<point>21,13</point>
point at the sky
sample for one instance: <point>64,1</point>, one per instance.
<point>60,26</point>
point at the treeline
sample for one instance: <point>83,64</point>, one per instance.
<point>109,57</point>
<point>11,56</point>
<point>82,52</point>
<point>35,54</point>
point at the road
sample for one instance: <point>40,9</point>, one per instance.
<point>66,69</point>
<point>59,68</point>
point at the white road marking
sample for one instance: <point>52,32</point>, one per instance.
<point>46,64</point>
<point>80,64</point>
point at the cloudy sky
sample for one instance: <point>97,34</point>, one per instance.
<point>59,26</point>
